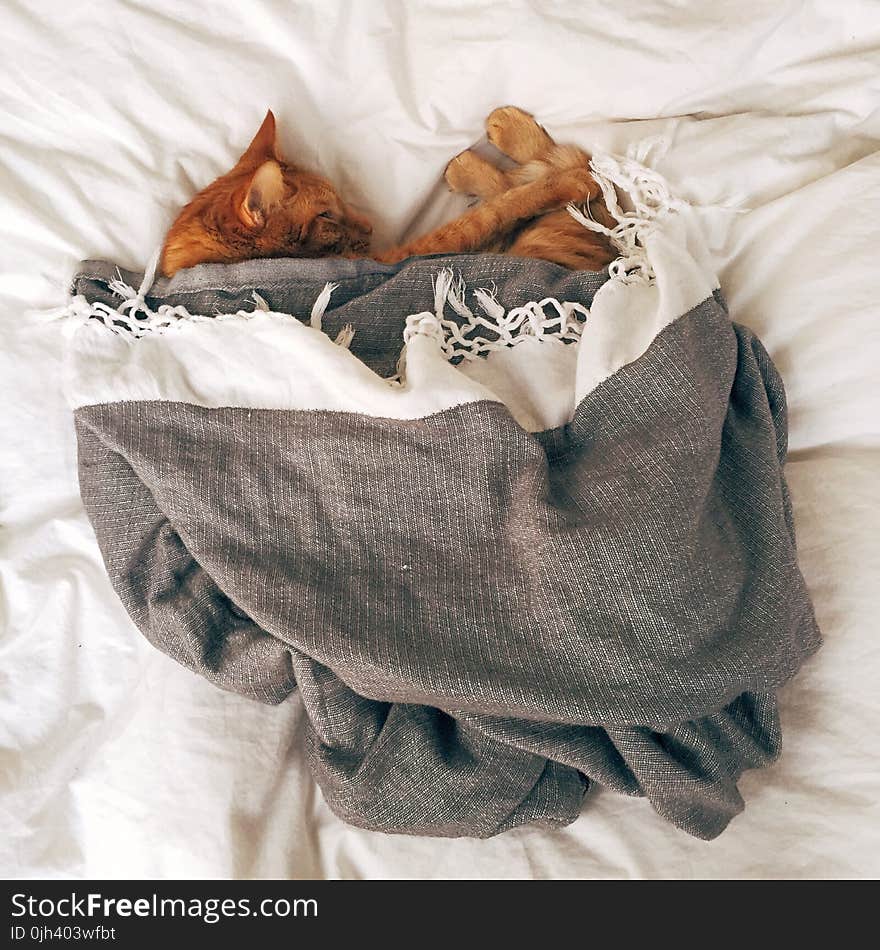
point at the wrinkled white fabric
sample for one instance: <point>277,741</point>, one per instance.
<point>115,762</point>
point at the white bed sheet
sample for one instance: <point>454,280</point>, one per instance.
<point>114,761</point>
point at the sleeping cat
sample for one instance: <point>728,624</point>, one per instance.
<point>267,207</point>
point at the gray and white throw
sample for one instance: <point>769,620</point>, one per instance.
<point>505,529</point>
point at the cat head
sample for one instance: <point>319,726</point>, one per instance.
<point>264,207</point>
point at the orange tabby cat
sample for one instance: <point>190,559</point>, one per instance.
<point>267,207</point>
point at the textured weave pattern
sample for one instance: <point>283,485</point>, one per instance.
<point>480,620</point>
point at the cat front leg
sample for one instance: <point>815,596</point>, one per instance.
<point>485,223</point>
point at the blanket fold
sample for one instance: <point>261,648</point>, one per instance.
<point>502,545</point>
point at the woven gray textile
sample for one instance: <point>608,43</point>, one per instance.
<point>480,622</point>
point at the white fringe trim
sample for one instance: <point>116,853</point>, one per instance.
<point>651,200</point>
<point>545,320</point>
<point>133,318</point>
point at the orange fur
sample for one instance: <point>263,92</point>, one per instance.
<point>266,207</point>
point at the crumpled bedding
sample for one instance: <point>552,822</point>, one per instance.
<point>483,613</point>
<point>111,761</point>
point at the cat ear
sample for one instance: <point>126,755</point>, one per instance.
<point>263,146</point>
<point>266,189</point>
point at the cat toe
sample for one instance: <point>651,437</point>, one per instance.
<point>516,133</point>
<point>457,173</point>
<point>469,174</point>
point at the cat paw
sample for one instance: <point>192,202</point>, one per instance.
<point>469,174</point>
<point>573,185</point>
<point>517,134</point>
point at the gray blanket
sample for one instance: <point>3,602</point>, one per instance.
<point>480,620</point>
